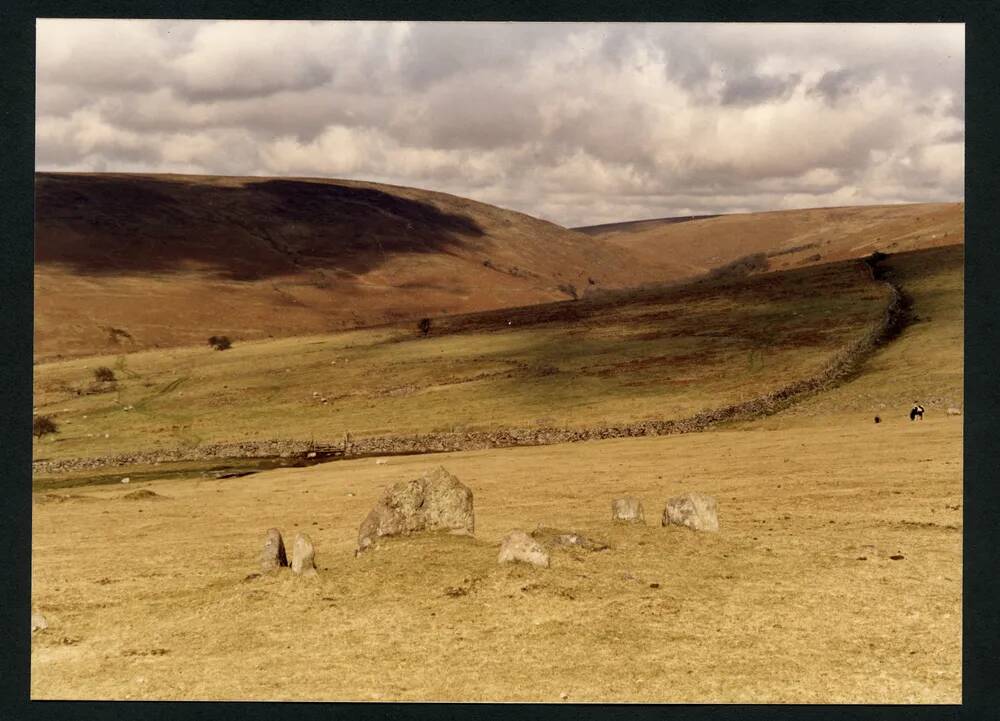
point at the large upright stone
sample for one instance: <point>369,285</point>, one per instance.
<point>38,622</point>
<point>303,555</point>
<point>627,510</point>
<point>273,557</point>
<point>518,546</point>
<point>694,510</point>
<point>435,501</point>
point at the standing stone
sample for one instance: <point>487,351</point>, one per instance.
<point>303,555</point>
<point>954,411</point>
<point>273,556</point>
<point>628,510</point>
<point>435,501</point>
<point>694,510</point>
<point>38,622</point>
<point>519,546</point>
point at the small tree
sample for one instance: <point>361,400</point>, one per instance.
<point>104,375</point>
<point>43,425</point>
<point>220,342</point>
<point>424,326</point>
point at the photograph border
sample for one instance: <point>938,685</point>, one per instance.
<point>982,339</point>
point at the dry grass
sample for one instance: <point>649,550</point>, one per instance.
<point>925,363</point>
<point>147,599</point>
<point>658,354</point>
<point>791,238</point>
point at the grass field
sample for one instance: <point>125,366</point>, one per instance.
<point>611,358</point>
<point>149,598</point>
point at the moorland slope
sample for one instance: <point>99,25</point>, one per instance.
<point>621,357</point>
<point>126,262</point>
<point>788,238</point>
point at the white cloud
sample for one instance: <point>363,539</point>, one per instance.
<point>577,123</point>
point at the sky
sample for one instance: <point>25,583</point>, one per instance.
<point>577,123</point>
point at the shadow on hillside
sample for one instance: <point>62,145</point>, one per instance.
<point>113,224</point>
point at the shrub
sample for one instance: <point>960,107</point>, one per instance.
<point>104,375</point>
<point>570,290</point>
<point>220,342</point>
<point>424,326</point>
<point>43,425</point>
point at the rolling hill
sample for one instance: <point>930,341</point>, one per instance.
<point>788,238</point>
<point>629,356</point>
<point>126,262</point>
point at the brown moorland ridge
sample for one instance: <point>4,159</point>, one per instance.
<point>788,238</point>
<point>126,261</point>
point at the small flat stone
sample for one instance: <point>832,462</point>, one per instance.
<point>518,546</point>
<point>553,537</point>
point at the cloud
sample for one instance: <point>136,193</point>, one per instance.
<point>757,89</point>
<point>234,60</point>
<point>576,123</point>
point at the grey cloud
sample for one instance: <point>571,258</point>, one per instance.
<point>302,114</point>
<point>609,133</point>
<point>251,85</point>
<point>956,106</point>
<point>434,52</point>
<point>58,154</point>
<point>487,113</point>
<point>755,89</point>
<point>836,84</point>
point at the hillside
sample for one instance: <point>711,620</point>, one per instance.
<point>620,357</point>
<point>789,238</point>
<point>126,262</point>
